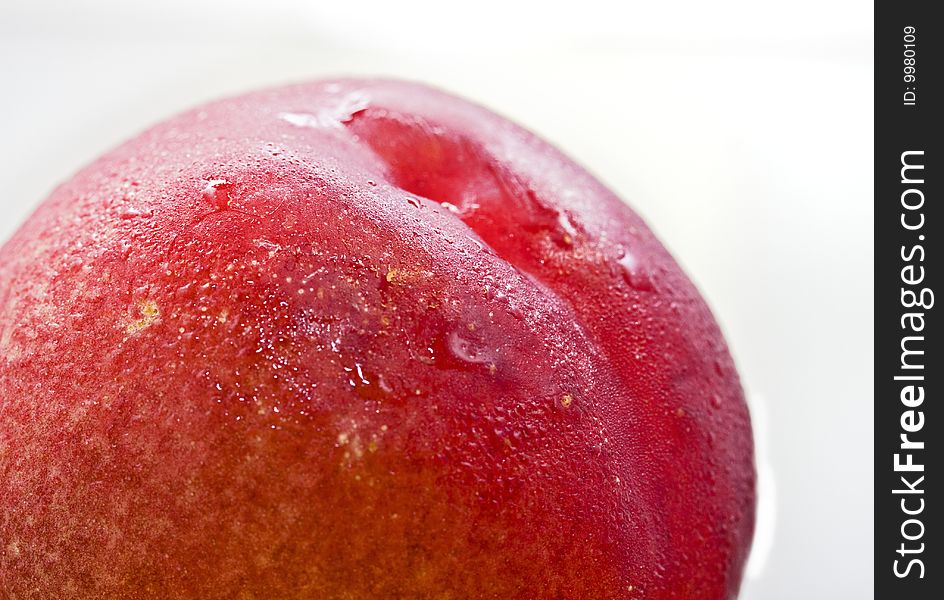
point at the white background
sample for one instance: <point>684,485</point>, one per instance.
<point>740,130</point>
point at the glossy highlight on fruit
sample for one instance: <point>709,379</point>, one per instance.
<point>359,339</point>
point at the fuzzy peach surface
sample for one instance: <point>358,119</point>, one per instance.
<point>359,339</point>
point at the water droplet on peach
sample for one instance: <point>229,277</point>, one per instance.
<point>634,273</point>
<point>466,349</point>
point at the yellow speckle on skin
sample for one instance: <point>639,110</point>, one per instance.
<point>404,277</point>
<point>679,412</point>
<point>224,314</point>
<point>567,400</point>
<point>352,442</point>
<point>150,314</point>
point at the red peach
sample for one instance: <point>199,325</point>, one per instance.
<point>359,339</point>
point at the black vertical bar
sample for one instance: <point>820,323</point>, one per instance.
<point>909,372</point>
